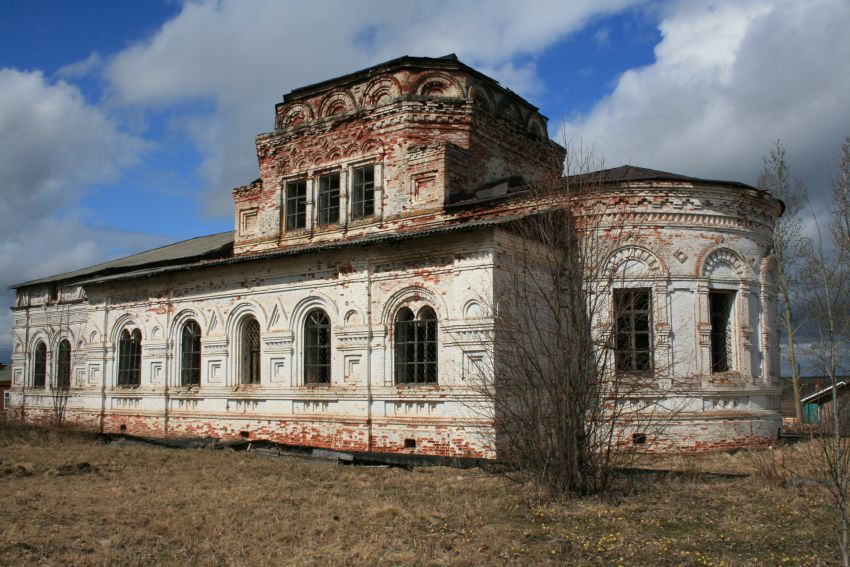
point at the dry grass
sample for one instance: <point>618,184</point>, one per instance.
<point>69,500</point>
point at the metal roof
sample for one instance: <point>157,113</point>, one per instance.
<point>215,245</point>
<point>465,224</point>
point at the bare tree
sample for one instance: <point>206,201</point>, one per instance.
<point>830,306</point>
<point>788,245</point>
<point>567,394</point>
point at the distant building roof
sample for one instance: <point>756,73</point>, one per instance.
<point>821,394</point>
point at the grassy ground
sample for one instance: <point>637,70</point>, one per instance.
<point>71,500</point>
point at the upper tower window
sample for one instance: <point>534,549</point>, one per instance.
<point>363,192</point>
<point>296,205</point>
<point>328,212</point>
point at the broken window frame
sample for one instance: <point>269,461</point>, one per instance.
<point>633,342</point>
<point>363,192</point>
<point>317,348</point>
<point>416,348</point>
<point>295,205</point>
<point>39,365</point>
<point>63,365</point>
<point>328,199</point>
<point>130,359</point>
<point>190,354</point>
<point>721,313</point>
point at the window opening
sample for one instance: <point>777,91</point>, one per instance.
<point>416,347</point>
<point>363,192</point>
<point>720,309</point>
<point>39,367</point>
<point>633,330</point>
<point>251,352</point>
<point>317,348</point>
<point>63,365</point>
<point>328,212</point>
<point>130,358</point>
<point>296,205</point>
<point>190,353</point>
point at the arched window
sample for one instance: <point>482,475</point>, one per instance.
<point>416,347</point>
<point>250,352</point>
<point>317,348</point>
<point>63,366</point>
<point>190,354</point>
<point>130,358</point>
<point>39,366</point>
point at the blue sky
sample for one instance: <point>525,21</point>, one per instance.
<point>124,124</point>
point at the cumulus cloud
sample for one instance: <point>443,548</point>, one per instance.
<point>81,68</point>
<point>239,57</point>
<point>730,77</point>
<point>55,147</point>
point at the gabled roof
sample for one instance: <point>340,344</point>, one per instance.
<point>203,247</point>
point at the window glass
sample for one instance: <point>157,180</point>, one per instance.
<point>416,347</point>
<point>190,353</point>
<point>296,205</point>
<point>251,352</point>
<point>63,365</point>
<point>328,206</point>
<point>39,367</point>
<point>130,358</point>
<point>317,348</point>
<point>363,192</point>
<point>633,330</point>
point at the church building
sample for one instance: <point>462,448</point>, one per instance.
<point>348,308</point>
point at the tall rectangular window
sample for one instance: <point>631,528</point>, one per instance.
<point>633,330</point>
<point>328,211</point>
<point>363,192</point>
<point>296,205</point>
<point>720,305</point>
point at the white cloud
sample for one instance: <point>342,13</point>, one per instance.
<point>729,78</point>
<point>242,56</point>
<point>55,146</point>
<point>81,68</point>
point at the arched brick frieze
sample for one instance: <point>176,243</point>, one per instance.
<point>438,85</point>
<point>509,111</point>
<point>297,114</point>
<point>336,102</point>
<point>632,262</point>
<point>722,263</point>
<point>481,97</point>
<point>381,91</point>
<point>372,147</point>
<point>536,128</point>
